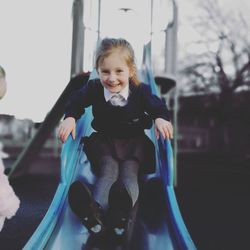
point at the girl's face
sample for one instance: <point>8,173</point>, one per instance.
<point>114,72</point>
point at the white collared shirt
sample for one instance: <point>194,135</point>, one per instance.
<point>124,93</point>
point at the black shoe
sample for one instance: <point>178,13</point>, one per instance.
<point>85,207</point>
<point>120,206</point>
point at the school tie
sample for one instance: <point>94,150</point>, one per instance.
<point>118,100</point>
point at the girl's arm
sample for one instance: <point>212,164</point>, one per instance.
<point>157,109</point>
<point>164,128</point>
<point>79,100</point>
<point>74,110</point>
<point>67,127</point>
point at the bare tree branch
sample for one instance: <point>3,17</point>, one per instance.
<point>225,62</point>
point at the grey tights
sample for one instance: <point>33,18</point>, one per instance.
<point>111,171</point>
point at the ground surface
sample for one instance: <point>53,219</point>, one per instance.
<point>213,196</point>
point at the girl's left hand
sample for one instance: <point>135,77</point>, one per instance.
<point>164,128</point>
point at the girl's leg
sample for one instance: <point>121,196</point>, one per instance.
<point>123,196</point>
<point>109,170</point>
<point>129,177</point>
<point>85,208</point>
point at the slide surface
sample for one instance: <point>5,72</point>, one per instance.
<point>158,226</point>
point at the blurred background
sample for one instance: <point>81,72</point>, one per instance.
<point>200,53</point>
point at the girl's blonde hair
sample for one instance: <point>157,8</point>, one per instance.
<point>109,45</point>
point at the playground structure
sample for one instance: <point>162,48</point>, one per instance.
<point>59,228</point>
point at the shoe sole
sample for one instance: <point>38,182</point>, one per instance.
<point>120,204</point>
<point>81,202</point>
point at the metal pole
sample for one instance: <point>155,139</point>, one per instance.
<point>174,70</point>
<point>99,22</point>
<point>171,43</point>
<point>77,38</point>
<point>148,56</point>
<point>170,70</point>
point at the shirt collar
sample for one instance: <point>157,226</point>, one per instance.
<point>124,93</point>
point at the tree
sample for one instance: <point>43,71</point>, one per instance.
<point>223,64</point>
<point>220,62</point>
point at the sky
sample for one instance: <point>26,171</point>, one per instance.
<point>188,10</point>
<point>35,51</point>
<point>36,38</point>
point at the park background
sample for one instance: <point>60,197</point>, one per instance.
<point>213,76</point>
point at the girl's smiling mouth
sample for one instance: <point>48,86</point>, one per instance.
<point>113,85</point>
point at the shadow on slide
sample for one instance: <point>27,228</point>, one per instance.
<point>158,224</point>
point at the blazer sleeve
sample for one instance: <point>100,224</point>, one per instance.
<point>154,106</point>
<point>79,100</point>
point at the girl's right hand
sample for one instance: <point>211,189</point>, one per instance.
<point>67,127</point>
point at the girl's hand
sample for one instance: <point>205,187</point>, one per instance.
<point>164,128</point>
<point>67,127</point>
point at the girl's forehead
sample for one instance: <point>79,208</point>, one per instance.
<point>114,56</point>
<point>118,53</point>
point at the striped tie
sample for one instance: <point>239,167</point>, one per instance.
<point>118,100</point>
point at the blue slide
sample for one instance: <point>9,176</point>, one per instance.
<point>158,225</point>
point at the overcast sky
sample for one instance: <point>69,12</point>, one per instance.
<point>188,9</point>
<point>35,46</point>
<point>35,50</point>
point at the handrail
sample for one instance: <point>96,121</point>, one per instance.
<point>71,151</point>
<point>166,168</point>
<point>35,144</point>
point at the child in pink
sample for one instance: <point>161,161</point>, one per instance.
<point>9,202</point>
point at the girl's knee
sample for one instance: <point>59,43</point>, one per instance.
<point>109,167</point>
<point>129,169</point>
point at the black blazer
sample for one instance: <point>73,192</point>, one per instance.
<point>142,108</point>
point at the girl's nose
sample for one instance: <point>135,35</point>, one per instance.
<point>111,78</point>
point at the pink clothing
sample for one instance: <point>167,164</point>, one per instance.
<point>9,202</point>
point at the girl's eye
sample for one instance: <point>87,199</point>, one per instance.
<point>119,71</point>
<point>104,71</point>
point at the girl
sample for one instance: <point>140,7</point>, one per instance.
<point>9,202</point>
<point>119,149</point>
